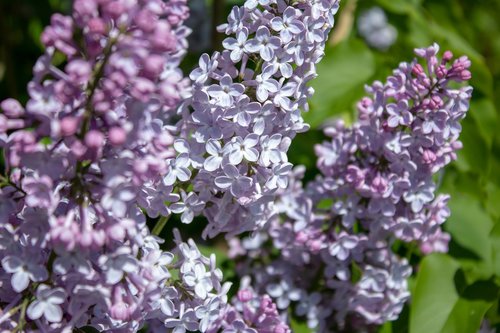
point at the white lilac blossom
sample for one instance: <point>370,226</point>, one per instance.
<point>337,237</point>
<point>374,28</point>
<point>246,108</point>
<point>87,155</point>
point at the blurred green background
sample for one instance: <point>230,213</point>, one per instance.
<point>450,293</point>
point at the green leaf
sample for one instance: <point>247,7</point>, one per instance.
<point>485,115</point>
<point>455,181</point>
<point>400,6</point>
<point>386,328</point>
<point>325,203</point>
<point>443,303</point>
<point>342,75</point>
<point>298,327</point>
<point>495,238</point>
<point>435,294</point>
<point>46,140</point>
<point>466,316</point>
<point>475,155</point>
<point>301,151</point>
<point>493,200</point>
<point>470,226</point>
<point>470,309</point>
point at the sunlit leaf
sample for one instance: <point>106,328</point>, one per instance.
<point>342,76</point>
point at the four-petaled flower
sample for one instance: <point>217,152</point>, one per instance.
<point>288,25</point>
<point>243,148</point>
<point>225,91</point>
<point>178,169</point>
<point>399,114</point>
<point>199,279</point>
<point>237,184</point>
<point>189,205</point>
<point>236,45</point>
<point>47,304</point>
<point>23,270</point>
<point>264,43</point>
<point>186,321</point>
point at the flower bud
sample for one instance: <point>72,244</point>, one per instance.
<point>94,139</point>
<point>69,125</point>
<point>12,108</point>
<point>117,136</point>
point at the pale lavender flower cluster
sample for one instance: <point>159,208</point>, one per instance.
<point>83,158</point>
<point>341,238</point>
<point>245,110</point>
<point>374,28</point>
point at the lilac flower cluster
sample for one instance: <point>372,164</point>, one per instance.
<point>250,313</point>
<point>245,110</point>
<point>116,133</point>
<point>340,239</point>
<point>82,158</point>
<point>97,147</point>
<point>375,30</point>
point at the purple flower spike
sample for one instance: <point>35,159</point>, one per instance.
<point>328,246</point>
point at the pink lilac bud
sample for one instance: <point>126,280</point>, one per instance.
<point>244,295</point>
<point>117,136</point>
<point>418,70</point>
<point>379,185</point>
<point>154,65</point>
<point>69,125</point>
<point>12,108</point>
<point>94,139</point>
<point>447,56</point>
<point>96,26</point>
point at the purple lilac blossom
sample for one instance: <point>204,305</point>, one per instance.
<point>336,236</point>
<point>90,149</point>
<point>246,108</point>
<point>96,147</point>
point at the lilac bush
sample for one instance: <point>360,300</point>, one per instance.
<point>98,147</point>
<point>339,238</point>
<point>113,134</point>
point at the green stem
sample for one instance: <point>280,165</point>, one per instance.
<point>97,74</point>
<point>96,77</point>
<point>162,222</point>
<point>258,66</point>
<point>22,316</point>
<point>10,313</point>
<point>411,250</point>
